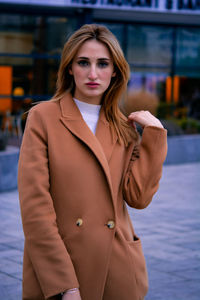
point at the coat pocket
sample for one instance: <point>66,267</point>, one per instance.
<point>139,266</point>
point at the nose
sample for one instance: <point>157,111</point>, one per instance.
<point>92,73</point>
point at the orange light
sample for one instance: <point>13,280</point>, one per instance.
<point>5,88</point>
<point>168,89</point>
<point>176,89</point>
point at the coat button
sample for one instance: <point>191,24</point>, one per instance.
<point>79,222</point>
<point>111,224</point>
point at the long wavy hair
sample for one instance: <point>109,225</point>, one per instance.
<point>118,84</point>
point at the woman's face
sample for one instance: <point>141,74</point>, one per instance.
<point>92,69</point>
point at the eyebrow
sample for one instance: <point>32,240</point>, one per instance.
<point>87,58</point>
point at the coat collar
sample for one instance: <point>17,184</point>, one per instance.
<point>101,144</point>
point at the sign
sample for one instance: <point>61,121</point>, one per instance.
<point>176,6</point>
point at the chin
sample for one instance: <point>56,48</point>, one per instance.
<point>94,94</point>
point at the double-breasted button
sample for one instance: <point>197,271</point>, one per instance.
<point>111,224</point>
<point>79,222</point>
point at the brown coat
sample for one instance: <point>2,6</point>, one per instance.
<point>71,185</point>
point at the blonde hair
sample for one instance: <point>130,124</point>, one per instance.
<point>118,84</point>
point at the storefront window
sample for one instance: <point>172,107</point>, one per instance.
<point>16,39</point>
<point>188,52</point>
<point>149,48</point>
<point>188,71</point>
<point>30,49</point>
<point>149,53</point>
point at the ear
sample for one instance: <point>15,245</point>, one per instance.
<point>113,74</point>
<point>70,70</point>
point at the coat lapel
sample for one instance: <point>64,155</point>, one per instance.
<point>101,145</point>
<point>105,136</point>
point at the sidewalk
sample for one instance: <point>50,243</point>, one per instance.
<point>169,229</point>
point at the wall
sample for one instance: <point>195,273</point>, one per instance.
<point>183,149</point>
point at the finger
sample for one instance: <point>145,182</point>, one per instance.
<point>136,114</point>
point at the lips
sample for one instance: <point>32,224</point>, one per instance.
<point>92,84</point>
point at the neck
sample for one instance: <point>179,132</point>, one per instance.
<point>89,100</point>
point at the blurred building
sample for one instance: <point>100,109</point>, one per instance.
<point>160,39</point>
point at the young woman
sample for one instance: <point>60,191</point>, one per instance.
<point>81,162</point>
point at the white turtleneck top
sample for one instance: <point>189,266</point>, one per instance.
<point>90,113</point>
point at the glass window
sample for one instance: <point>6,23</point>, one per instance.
<point>188,70</point>
<point>16,39</point>
<point>57,32</point>
<point>149,53</point>
<point>188,52</point>
<point>30,49</point>
<point>149,48</point>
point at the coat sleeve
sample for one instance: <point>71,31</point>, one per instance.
<point>144,171</point>
<point>47,252</point>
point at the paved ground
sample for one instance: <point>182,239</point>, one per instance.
<point>169,228</point>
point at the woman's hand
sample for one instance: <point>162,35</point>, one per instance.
<point>143,118</point>
<point>72,296</point>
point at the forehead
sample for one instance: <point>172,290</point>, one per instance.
<point>93,49</point>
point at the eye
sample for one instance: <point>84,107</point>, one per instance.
<point>83,63</point>
<point>103,64</point>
